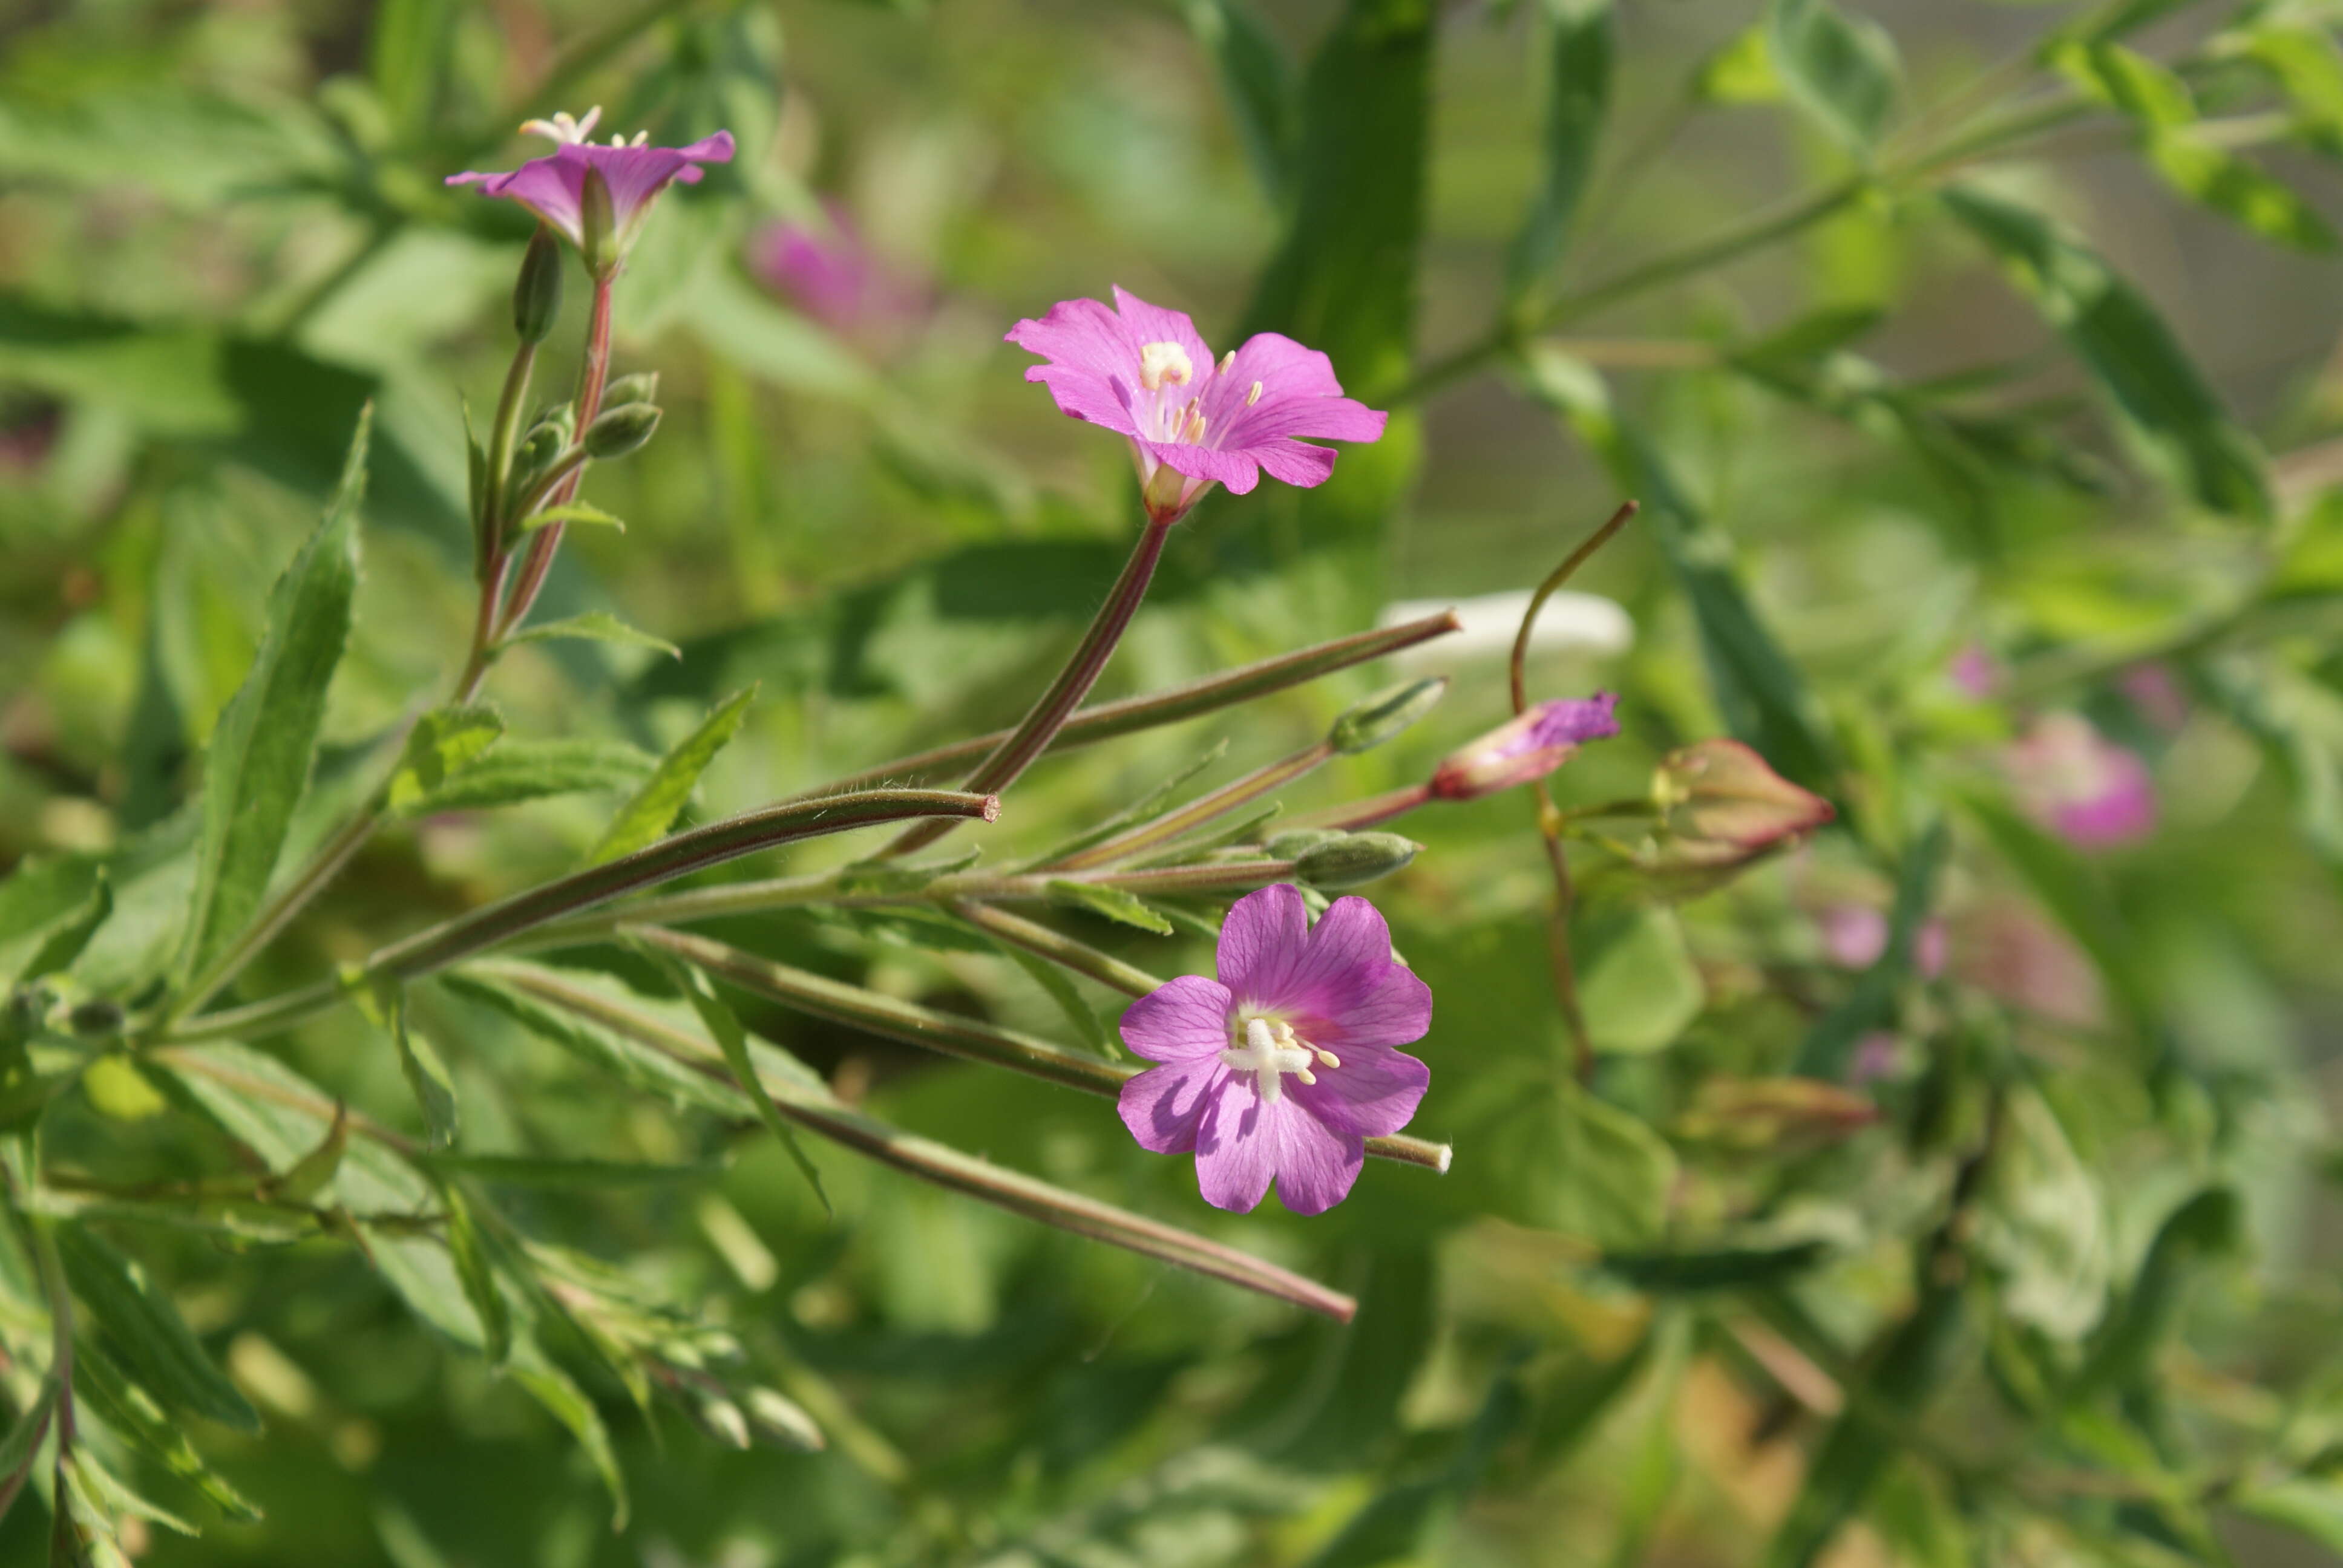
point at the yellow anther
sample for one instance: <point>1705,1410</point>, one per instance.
<point>1228,359</point>
<point>1191,433</point>
<point>1327,1058</point>
<point>1254,397</point>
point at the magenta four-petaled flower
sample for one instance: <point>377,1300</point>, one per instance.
<point>1284,1067</point>
<point>556,187</point>
<point>1144,372</point>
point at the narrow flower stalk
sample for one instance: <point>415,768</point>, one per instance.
<point>818,1112</point>
<point>1208,807</point>
<point>1549,816</point>
<point>1058,947</point>
<point>948,1033</point>
<point>1041,726</point>
<point>792,892</point>
<point>547,540</point>
<point>679,855</point>
<point>1372,811</point>
<point>1133,714</point>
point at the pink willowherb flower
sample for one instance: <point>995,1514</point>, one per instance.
<point>1533,746</point>
<point>556,187</point>
<point>2080,785</point>
<point>1285,1066</point>
<point>1144,372</point>
<point>828,271</point>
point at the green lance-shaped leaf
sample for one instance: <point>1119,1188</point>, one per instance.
<point>1086,1025</point>
<point>1841,70</point>
<point>553,1173</point>
<point>569,1404</point>
<point>2126,347</point>
<point>134,1415</point>
<point>476,1272</point>
<point>1258,80</point>
<point>1112,903</point>
<point>441,744</point>
<point>517,771</point>
<point>420,1062</point>
<point>1762,695</point>
<point>44,895</point>
<point>653,811</point>
<point>257,767</point>
<point>595,626</point>
<point>574,512</point>
<point>1581,40</point>
<point>2208,1224</point>
<point>146,1332</point>
<point>65,941</point>
<point>724,1027</point>
<point>2158,102</point>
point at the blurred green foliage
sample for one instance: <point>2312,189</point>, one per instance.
<point>1952,1188</point>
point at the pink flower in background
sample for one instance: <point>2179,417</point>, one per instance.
<point>1144,372</point>
<point>827,272</point>
<point>1855,935</point>
<point>1533,746</point>
<point>2157,693</point>
<point>1285,1066</point>
<point>2078,784</point>
<point>1973,669</point>
<point>554,188</point>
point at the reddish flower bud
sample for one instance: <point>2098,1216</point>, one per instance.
<point>1721,793</point>
<point>1528,748</point>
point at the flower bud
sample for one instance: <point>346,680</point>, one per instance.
<point>597,226</point>
<point>1371,723</point>
<point>539,451</point>
<point>98,1015</point>
<point>642,387</point>
<point>1528,748</point>
<point>621,430</point>
<point>537,295</point>
<point>1720,794</point>
<point>775,1416</point>
<point>1292,844</point>
<point>1354,860</point>
<point>721,1419</point>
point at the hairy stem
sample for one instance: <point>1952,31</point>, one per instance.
<point>1048,715</point>
<point>1131,715</point>
<point>592,378</point>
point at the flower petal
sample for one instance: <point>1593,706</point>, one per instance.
<point>1299,396</point>
<point>1148,323</point>
<point>1263,942</point>
<point>1237,470</point>
<point>1164,1106</point>
<point>1183,1020</point>
<point>1393,1009</point>
<point>1244,1143</point>
<point>1296,463</point>
<point>1081,333</point>
<point>1374,1091</point>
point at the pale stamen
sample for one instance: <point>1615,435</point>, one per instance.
<point>1271,1053</point>
<point>1193,432</point>
<point>1254,397</point>
<point>1228,359</point>
<point>563,128</point>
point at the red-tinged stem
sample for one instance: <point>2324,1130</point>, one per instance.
<point>1549,819</point>
<point>548,539</point>
<point>1371,812</point>
<point>1041,726</point>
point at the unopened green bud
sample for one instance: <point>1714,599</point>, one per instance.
<point>783,1420</point>
<point>598,224</point>
<point>536,296</point>
<point>1385,714</point>
<point>642,387</point>
<point>539,451</point>
<point>561,417</point>
<point>1296,842</point>
<point>1354,860</point>
<point>618,431</point>
<point>722,1419</point>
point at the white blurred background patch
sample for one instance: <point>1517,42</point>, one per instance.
<point>1585,624</point>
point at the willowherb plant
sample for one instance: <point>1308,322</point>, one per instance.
<point>1283,1070</point>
